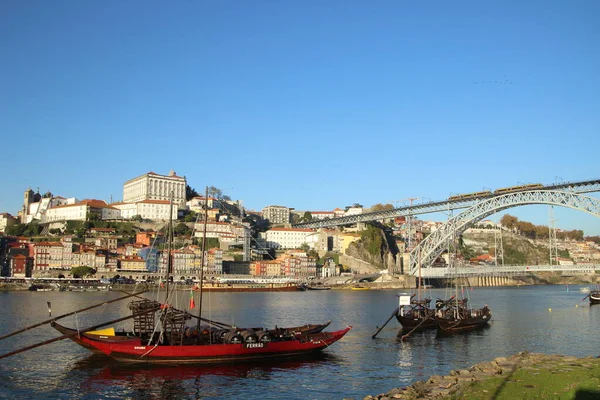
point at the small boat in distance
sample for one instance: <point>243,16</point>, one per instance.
<point>317,287</point>
<point>359,287</point>
<point>594,296</point>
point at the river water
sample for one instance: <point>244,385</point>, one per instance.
<point>549,319</point>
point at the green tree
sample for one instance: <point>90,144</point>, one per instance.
<point>16,230</point>
<point>190,192</point>
<point>33,229</point>
<point>82,271</point>
<point>182,229</point>
<point>381,207</point>
<point>190,217</point>
<point>307,217</point>
<point>372,240</point>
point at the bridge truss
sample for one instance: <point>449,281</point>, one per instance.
<point>433,245</point>
<point>440,206</point>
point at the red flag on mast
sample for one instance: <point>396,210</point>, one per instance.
<point>192,303</point>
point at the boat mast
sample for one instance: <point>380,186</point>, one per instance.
<point>170,242</point>
<point>419,283</point>
<point>202,260</point>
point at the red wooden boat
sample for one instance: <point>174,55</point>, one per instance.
<point>236,347</point>
<point>110,335</point>
<point>160,334</point>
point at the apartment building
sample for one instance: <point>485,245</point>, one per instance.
<point>288,238</point>
<point>277,214</point>
<point>6,220</point>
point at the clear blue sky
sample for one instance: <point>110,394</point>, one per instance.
<point>308,104</point>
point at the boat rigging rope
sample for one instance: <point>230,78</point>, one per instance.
<point>77,324</point>
<point>334,316</point>
<point>101,312</point>
<point>121,324</point>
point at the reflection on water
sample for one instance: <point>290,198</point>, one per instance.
<point>160,382</point>
<point>354,367</point>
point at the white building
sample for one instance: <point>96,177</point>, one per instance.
<point>355,209</point>
<point>152,186</point>
<point>147,209</point>
<point>6,220</point>
<point>277,214</point>
<point>289,238</point>
<point>80,211</point>
<point>196,204</point>
<point>223,231</point>
<point>35,206</point>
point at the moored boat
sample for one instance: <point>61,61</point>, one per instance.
<point>317,287</point>
<point>415,314</point>
<point>234,346</point>
<point>594,297</point>
<point>456,316</point>
<point>161,335</point>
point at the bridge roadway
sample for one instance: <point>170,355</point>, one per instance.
<point>506,270</point>
<point>439,206</point>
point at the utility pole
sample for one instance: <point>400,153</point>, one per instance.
<point>552,236</point>
<point>409,218</point>
<point>499,248</point>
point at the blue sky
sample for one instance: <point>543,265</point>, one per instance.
<point>309,104</point>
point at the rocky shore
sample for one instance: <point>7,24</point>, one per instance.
<point>523,375</point>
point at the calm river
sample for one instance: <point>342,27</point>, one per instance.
<point>352,368</point>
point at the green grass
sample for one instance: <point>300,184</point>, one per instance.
<point>566,380</point>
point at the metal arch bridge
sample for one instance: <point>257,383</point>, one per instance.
<point>439,206</point>
<point>434,244</point>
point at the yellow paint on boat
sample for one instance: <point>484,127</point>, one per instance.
<point>104,332</point>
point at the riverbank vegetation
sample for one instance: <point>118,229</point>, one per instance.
<point>522,376</point>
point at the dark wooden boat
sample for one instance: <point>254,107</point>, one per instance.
<point>417,315</point>
<point>594,297</point>
<point>456,316</point>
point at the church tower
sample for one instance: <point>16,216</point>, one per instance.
<point>27,200</point>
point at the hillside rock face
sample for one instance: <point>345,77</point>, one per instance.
<point>377,248</point>
<point>380,250</point>
<point>517,249</point>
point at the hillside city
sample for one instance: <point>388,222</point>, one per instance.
<point>54,236</point>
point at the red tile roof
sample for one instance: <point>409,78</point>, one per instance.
<point>291,229</point>
<point>155,201</point>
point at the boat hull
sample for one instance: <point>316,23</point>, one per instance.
<point>132,350</point>
<point>409,323</point>
<point>595,297</point>
<point>122,336</point>
<point>450,325</point>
